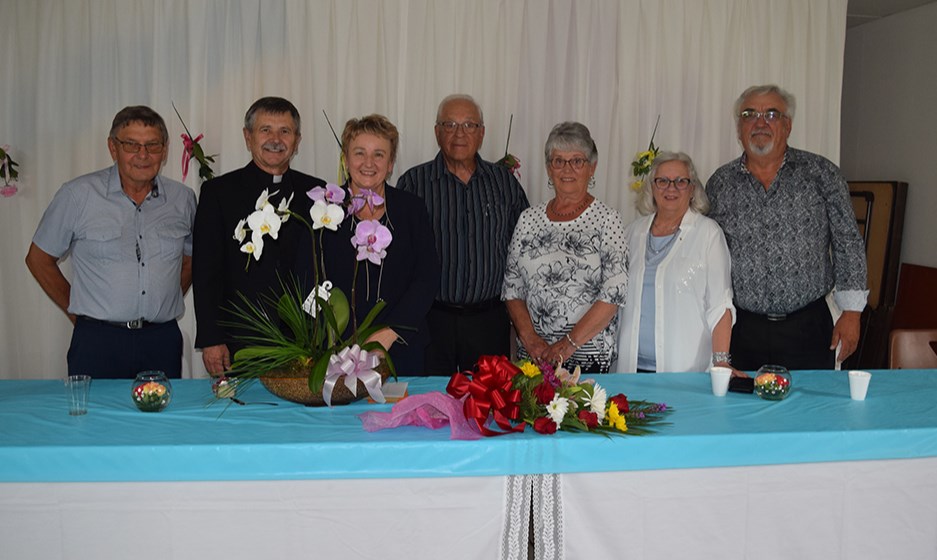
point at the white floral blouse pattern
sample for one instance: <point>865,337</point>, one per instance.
<point>560,269</point>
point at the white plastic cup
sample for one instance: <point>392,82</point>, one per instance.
<point>859,384</point>
<point>76,389</point>
<point>719,376</point>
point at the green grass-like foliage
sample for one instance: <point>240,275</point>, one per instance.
<point>292,340</point>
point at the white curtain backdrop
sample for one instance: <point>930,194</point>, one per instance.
<point>67,66</point>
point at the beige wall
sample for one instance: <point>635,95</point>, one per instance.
<point>889,117</point>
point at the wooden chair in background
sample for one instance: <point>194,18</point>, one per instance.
<point>913,349</point>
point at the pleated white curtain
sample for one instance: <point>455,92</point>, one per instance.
<point>67,66</point>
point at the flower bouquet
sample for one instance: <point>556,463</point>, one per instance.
<point>191,149</point>
<point>501,397</point>
<point>293,335</point>
<point>8,172</point>
<point>641,165</point>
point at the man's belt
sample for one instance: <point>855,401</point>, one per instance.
<point>133,324</point>
<point>776,317</point>
<point>463,308</point>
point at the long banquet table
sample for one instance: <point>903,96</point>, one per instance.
<point>815,475</point>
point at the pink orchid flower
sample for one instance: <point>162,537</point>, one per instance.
<point>371,239</point>
<point>331,193</point>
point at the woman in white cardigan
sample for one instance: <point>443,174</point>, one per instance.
<point>678,313</point>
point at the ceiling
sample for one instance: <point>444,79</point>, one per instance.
<point>864,11</point>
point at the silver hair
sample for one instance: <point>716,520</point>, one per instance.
<point>788,98</point>
<point>571,136</point>
<point>272,105</point>
<point>645,203</point>
<point>460,97</point>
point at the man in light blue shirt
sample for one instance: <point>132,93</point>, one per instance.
<point>129,234</point>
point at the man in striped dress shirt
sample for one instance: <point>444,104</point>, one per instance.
<point>474,205</point>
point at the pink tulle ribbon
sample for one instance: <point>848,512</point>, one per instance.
<point>429,410</point>
<point>187,152</point>
<point>354,364</point>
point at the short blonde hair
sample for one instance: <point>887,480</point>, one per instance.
<point>378,125</point>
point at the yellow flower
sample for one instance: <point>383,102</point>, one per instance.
<point>647,154</point>
<point>636,186</point>
<point>616,419</point>
<point>764,379</point>
<point>529,369</point>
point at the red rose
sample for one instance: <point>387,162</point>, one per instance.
<point>621,401</point>
<point>544,393</point>
<point>590,419</point>
<point>545,425</point>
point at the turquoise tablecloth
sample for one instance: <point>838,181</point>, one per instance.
<point>40,442</point>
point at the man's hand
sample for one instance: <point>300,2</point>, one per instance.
<point>846,332</point>
<point>217,359</point>
<point>386,337</point>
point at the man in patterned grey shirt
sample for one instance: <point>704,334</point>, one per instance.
<point>793,238</point>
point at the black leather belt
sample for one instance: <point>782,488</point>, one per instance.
<point>776,317</point>
<point>133,324</point>
<point>464,308</point>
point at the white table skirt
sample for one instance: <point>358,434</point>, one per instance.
<point>403,518</point>
<point>848,511</point>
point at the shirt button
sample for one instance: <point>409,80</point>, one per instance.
<point>144,292</point>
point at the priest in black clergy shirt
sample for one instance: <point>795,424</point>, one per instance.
<point>272,134</point>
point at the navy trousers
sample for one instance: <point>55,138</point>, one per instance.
<point>106,351</point>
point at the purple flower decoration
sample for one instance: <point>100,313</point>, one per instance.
<point>371,239</point>
<point>550,377</point>
<point>366,196</point>
<point>332,193</point>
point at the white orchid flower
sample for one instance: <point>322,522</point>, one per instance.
<point>240,232</point>
<point>262,199</point>
<point>326,215</point>
<point>284,209</point>
<point>255,249</point>
<point>264,222</point>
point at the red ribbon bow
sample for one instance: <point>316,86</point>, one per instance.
<point>188,145</point>
<point>489,393</point>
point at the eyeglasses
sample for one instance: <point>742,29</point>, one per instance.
<point>681,183</point>
<point>452,126</point>
<point>576,163</point>
<point>131,147</point>
<point>751,115</point>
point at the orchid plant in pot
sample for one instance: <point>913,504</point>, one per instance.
<point>297,336</point>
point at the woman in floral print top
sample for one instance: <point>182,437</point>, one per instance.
<point>566,270</point>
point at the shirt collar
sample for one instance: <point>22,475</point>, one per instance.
<point>115,189</point>
<point>440,170</point>
<point>744,160</point>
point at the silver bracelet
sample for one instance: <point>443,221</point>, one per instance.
<point>576,346</point>
<point>722,357</point>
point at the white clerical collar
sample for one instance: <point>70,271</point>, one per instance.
<point>277,179</point>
